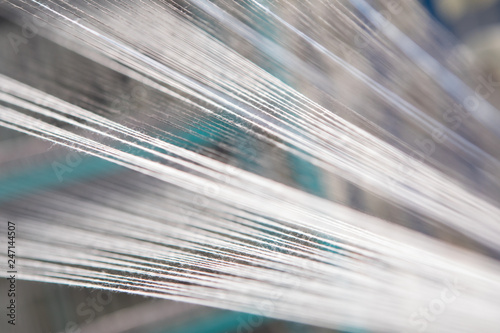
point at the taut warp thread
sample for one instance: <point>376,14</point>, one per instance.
<point>255,156</point>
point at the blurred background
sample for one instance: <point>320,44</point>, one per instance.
<point>57,308</point>
<point>476,23</point>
